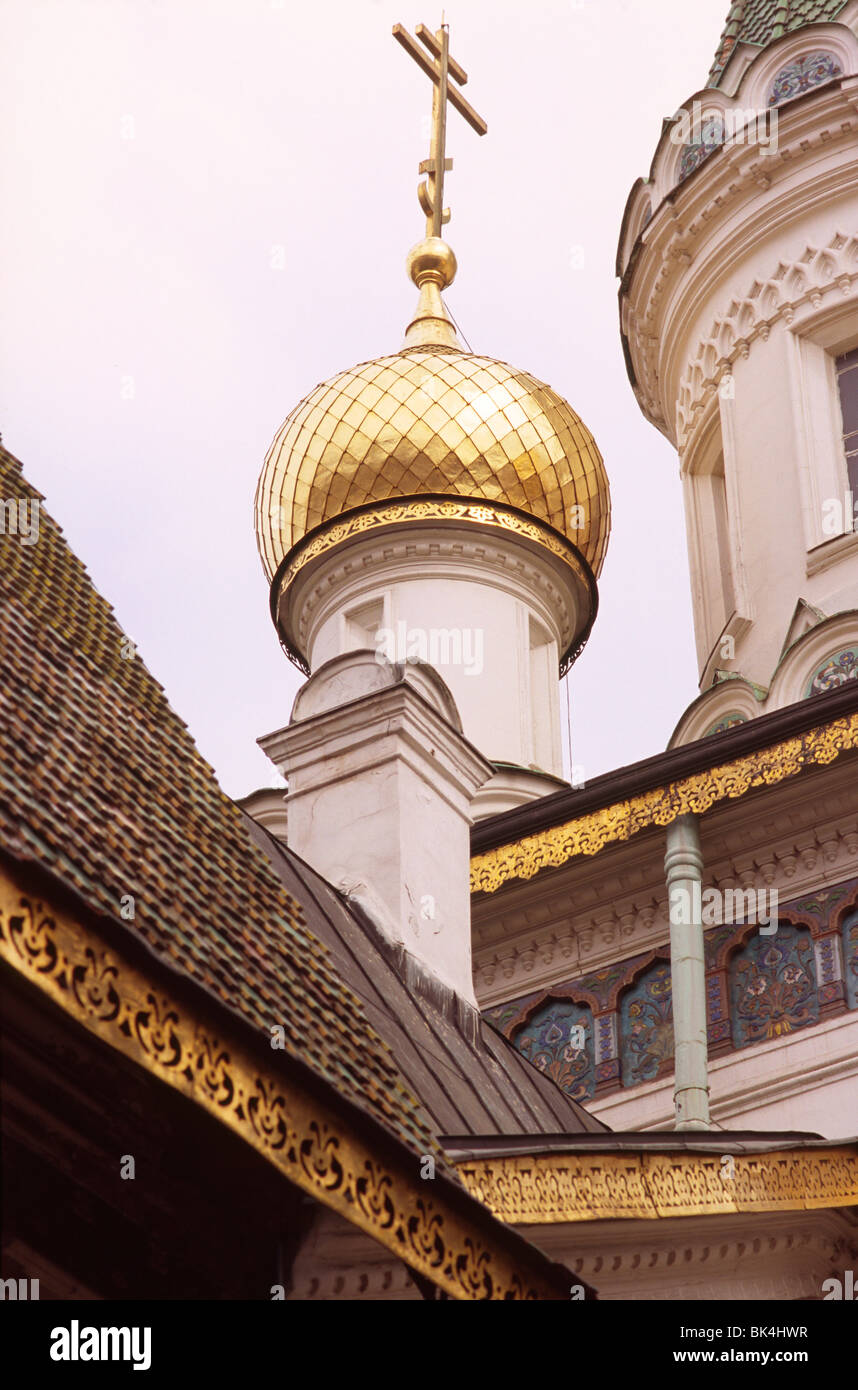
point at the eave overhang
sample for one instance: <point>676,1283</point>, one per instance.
<point>690,779</point>
<point>578,1185</point>
<point>316,1138</point>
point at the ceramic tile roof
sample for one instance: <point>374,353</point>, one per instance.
<point>102,786</point>
<point>759,22</point>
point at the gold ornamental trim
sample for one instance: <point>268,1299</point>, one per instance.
<point>590,833</point>
<point>410,511</point>
<point>396,513</point>
<point>305,1138</point>
<point>549,1189</point>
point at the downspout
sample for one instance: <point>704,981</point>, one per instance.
<point>683,865</point>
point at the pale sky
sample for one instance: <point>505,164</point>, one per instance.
<point>207,208</point>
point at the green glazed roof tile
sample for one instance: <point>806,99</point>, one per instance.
<point>760,22</point>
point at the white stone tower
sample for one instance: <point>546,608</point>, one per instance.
<point>739,308</point>
<point>438,505</point>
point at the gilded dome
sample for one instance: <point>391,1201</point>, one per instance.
<point>432,419</point>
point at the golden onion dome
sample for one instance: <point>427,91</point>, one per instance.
<point>433,421</point>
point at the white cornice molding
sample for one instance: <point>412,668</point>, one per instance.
<point>738,197</point>
<point>803,283</point>
<point>771,1256</point>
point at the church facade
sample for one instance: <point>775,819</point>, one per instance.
<point>466,1029</point>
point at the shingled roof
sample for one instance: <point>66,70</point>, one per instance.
<point>469,1080</point>
<point>760,22</point>
<point>102,786</point>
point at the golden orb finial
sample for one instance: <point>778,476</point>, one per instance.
<point>432,266</point>
<point>434,261</point>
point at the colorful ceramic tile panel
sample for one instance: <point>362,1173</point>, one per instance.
<point>728,722</point>
<point>773,986</point>
<point>558,1039</point>
<point>850,959</point>
<point>810,70</point>
<point>833,671</point>
<point>646,1025</point>
<point>711,137</point>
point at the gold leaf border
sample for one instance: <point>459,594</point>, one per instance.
<point>395,513</point>
<point>305,1138</point>
<point>376,517</point>
<point>548,1189</point>
<point>590,833</point>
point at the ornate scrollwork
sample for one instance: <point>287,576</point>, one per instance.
<point>95,988</point>
<point>472,1271</point>
<point>425,1235</point>
<point>374,1193</point>
<point>266,1110</point>
<point>590,833</point>
<point>212,1066</point>
<point>320,1157</point>
<point>302,1135</point>
<point>408,511</point>
<point>155,1030</point>
<point>555,1188</point>
<point>30,931</point>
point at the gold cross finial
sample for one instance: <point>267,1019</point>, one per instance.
<point>445,72</point>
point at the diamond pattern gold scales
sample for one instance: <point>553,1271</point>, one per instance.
<point>432,420</point>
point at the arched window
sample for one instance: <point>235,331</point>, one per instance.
<point>558,1039</point>
<point>773,987</point>
<point>846,367</point>
<point>646,1026</point>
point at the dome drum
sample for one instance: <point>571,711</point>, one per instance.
<point>437,527</point>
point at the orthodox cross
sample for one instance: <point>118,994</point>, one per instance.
<point>445,72</point>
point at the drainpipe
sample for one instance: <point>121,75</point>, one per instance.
<point>683,865</point>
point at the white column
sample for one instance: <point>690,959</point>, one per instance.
<point>683,864</point>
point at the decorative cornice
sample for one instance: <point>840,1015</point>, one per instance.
<point>819,272</point>
<point>279,1115</point>
<point>546,1189</point>
<point>590,833</point>
<point>413,510</point>
<point>698,208</point>
<point>513,956</point>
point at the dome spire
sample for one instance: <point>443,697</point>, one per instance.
<point>432,264</point>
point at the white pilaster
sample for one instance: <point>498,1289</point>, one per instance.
<point>380,784</point>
